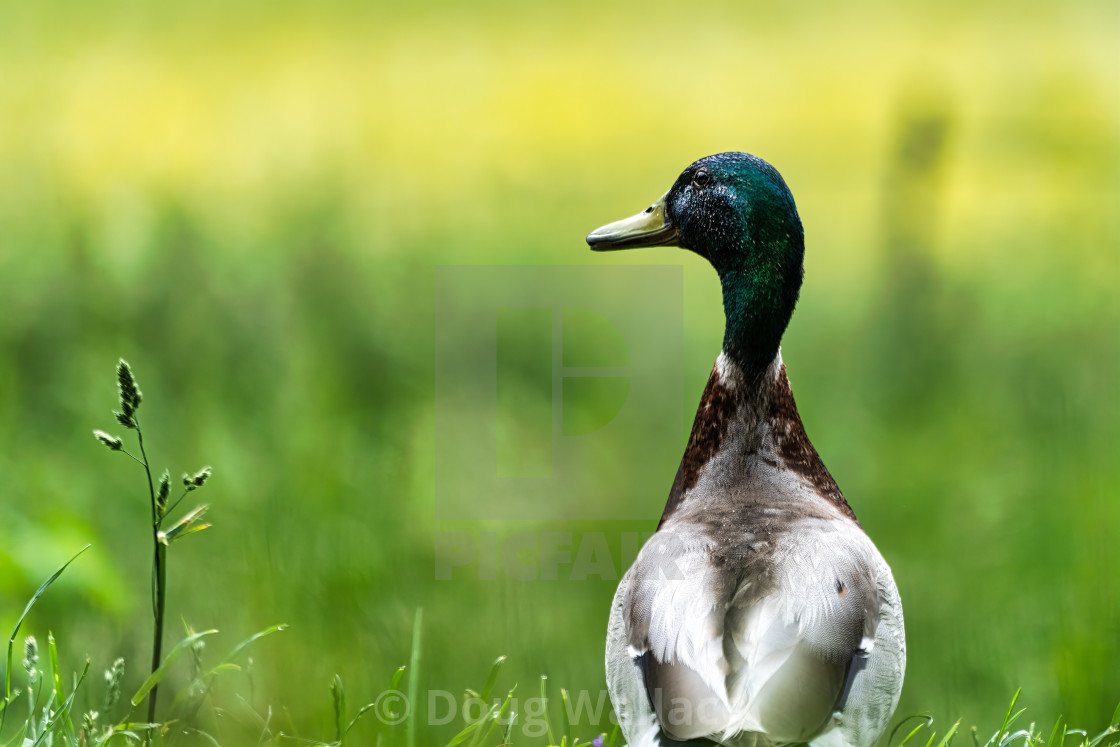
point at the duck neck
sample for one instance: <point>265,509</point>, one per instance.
<point>759,294</point>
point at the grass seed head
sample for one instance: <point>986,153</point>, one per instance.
<point>164,492</point>
<point>113,677</point>
<point>130,394</point>
<point>114,443</point>
<point>89,728</point>
<point>30,655</point>
<point>198,479</point>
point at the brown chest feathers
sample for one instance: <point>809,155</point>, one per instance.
<point>767,403</point>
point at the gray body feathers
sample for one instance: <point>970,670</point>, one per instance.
<point>760,613</point>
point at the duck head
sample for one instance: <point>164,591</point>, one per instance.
<point>735,210</point>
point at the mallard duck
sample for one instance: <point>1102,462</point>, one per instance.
<point>760,613</point>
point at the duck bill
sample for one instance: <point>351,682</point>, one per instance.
<point>651,227</point>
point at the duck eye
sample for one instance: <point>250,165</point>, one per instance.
<point>701,177</point>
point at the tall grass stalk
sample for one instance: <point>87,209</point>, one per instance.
<point>130,399</point>
<point>159,570</point>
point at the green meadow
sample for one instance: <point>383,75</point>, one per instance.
<point>253,204</point>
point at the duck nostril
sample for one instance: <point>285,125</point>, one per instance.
<point>649,209</point>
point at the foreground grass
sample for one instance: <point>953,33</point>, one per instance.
<point>209,715</point>
<point>215,700</point>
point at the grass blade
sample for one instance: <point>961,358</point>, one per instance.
<point>56,678</point>
<point>948,738</point>
<point>566,710</point>
<point>1100,737</point>
<point>178,532</point>
<point>462,736</point>
<point>491,679</point>
<point>56,675</point>
<point>253,639</point>
<point>498,717</point>
<point>507,735</point>
<point>1112,728</point>
<point>63,713</point>
<point>544,707</point>
<point>175,653</point>
<point>208,737</point>
<point>997,738</point>
<point>926,721</point>
<point>1054,734</point>
<point>338,696</point>
<point>396,680</point>
<point>15,631</point>
<point>361,712</point>
<point>183,526</point>
<point>414,679</point>
<point>481,732</point>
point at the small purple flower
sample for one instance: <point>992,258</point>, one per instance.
<point>598,741</point>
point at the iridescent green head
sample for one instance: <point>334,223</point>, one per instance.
<point>735,210</point>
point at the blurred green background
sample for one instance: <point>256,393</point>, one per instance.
<point>248,203</point>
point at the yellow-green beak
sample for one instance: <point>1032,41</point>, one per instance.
<point>651,227</point>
